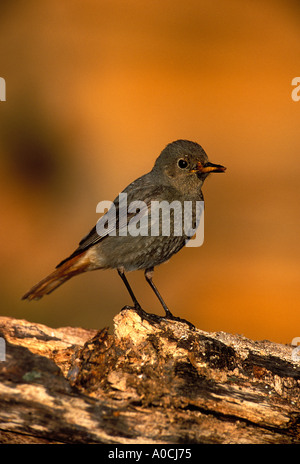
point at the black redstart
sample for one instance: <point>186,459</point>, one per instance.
<point>177,176</point>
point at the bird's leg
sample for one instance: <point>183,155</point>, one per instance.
<point>148,275</point>
<point>134,300</point>
<point>137,307</point>
<point>169,315</point>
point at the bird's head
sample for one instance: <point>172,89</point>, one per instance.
<point>185,164</point>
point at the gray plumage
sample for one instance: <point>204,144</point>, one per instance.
<point>177,175</point>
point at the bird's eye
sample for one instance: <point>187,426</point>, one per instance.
<point>182,163</point>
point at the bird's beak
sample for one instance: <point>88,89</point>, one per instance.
<point>210,167</point>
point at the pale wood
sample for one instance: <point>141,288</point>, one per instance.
<point>145,383</point>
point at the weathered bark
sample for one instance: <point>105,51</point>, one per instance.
<point>145,383</point>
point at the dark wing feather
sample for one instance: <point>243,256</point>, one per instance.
<point>142,191</point>
<point>93,237</point>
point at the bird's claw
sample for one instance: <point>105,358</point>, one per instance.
<point>143,314</point>
<point>155,318</point>
<point>170,316</point>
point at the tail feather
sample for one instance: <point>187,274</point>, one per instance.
<point>74,266</point>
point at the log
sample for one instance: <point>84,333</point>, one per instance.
<point>148,382</point>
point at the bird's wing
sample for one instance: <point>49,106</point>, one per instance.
<point>120,217</point>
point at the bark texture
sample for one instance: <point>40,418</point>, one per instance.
<point>147,382</point>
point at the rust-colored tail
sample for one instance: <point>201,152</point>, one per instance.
<point>68,269</point>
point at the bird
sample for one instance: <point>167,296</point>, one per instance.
<point>178,175</point>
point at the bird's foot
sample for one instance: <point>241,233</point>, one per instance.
<point>170,316</point>
<point>155,318</point>
<point>143,314</point>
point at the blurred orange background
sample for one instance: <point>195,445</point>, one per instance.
<point>95,90</point>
